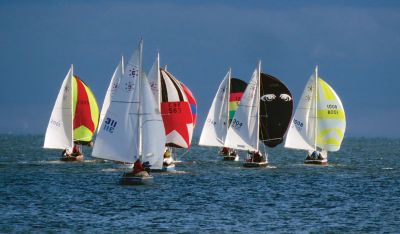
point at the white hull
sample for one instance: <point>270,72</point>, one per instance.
<point>169,168</point>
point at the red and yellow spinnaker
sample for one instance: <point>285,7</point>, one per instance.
<point>85,111</point>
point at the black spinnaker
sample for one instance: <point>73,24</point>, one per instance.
<point>276,107</point>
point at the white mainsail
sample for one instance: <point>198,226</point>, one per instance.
<point>243,133</point>
<point>153,132</point>
<point>217,122</point>
<point>59,133</point>
<point>301,133</point>
<point>154,80</point>
<point>130,119</point>
<point>319,120</point>
<point>112,87</point>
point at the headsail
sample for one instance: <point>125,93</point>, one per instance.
<point>331,118</point>
<point>276,106</point>
<point>176,112</point>
<point>86,111</point>
<point>243,132</point>
<point>236,91</point>
<point>59,133</point>
<point>192,102</point>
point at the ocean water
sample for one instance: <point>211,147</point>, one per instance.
<point>358,192</point>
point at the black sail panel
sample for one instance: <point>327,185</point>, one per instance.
<point>276,107</point>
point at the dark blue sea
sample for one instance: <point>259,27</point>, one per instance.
<point>359,192</point>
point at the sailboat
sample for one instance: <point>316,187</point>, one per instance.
<point>74,118</point>
<point>263,114</point>
<point>220,115</point>
<point>132,130</point>
<point>319,122</point>
<point>178,110</point>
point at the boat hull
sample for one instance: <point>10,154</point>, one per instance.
<point>169,168</point>
<point>78,158</point>
<point>255,164</point>
<point>135,180</point>
<point>231,158</point>
<point>322,162</point>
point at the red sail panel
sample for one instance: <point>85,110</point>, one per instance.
<point>176,117</point>
<point>235,97</point>
<point>192,102</point>
<point>83,114</point>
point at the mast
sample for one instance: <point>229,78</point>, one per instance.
<point>316,111</point>
<point>159,81</point>
<point>72,105</point>
<point>140,104</point>
<point>122,64</point>
<point>229,97</point>
<point>258,103</point>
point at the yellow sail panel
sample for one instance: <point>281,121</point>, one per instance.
<point>94,108</point>
<point>86,112</point>
<point>331,118</point>
<point>330,136</point>
<point>327,91</point>
<point>331,114</point>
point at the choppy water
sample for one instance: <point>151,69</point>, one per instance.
<point>358,192</point>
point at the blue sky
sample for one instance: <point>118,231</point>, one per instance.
<point>355,43</point>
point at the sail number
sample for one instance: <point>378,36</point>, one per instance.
<point>109,125</point>
<point>56,123</point>
<point>332,109</point>
<point>236,124</point>
<point>174,108</point>
<point>298,124</point>
<point>211,121</point>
